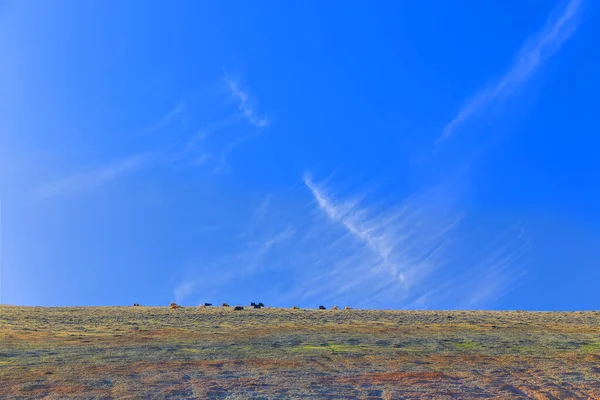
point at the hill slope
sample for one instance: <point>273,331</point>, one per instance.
<point>142,352</point>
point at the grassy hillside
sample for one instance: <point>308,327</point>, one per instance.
<point>155,352</point>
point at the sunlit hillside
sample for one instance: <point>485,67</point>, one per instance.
<point>196,352</point>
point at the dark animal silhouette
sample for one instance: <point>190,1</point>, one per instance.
<point>207,304</point>
<point>136,305</point>
<point>322,308</point>
<point>295,308</point>
<point>261,305</point>
<point>225,305</point>
<point>253,304</point>
<point>238,308</point>
<point>256,306</point>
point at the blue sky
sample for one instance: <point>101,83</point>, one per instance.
<point>376,154</point>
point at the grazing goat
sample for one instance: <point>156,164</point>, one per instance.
<point>261,305</point>
<point>322,308</point>
<point>295,308</point>
<point>347,308</point>
<point>136,305</point>
<point>238,308</point>
<point>207,304</point>
<point>253,304</point>
<point>256,306</point>
<point>335,308</point>
<point>173,306</point>
<point>225,305</point>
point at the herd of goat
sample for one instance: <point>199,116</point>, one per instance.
<point>239,308</point>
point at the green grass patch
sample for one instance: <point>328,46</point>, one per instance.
<point>591,347</point>
<point>467,345</point>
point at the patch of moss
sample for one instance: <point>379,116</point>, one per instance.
<point>467,345</point>
<point>591,347</point>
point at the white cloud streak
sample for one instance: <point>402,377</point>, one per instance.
<point>195,151</point>
<point>529,59</point>
<point>490,276</point>
<point>342,249</point>
<point>95,178</point>
<point>244,105</point>
<point>400,254</point>
<point>175,113</point>
<point>259,250</point>
<point>402,244</point>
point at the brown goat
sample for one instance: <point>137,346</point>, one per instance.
<point>173,306</point>
<point>225,305</point>
<point>335,308</point>
<point>347,308</point>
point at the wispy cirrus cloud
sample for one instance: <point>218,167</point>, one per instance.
<point>244,104</point>
<point>493,270</point>
<point>95,178</point>
<point>409,254</point>
<point>261,245</point>
<point>184,149</point>
<point>175,113</point>
<point>383,248</point>
<point>530,58</point>
<point>211,145</point>
<point>348,214</point>
<point>347,247</point>
<point>87,180</point>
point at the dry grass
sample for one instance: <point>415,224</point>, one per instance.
<point>197,352</point>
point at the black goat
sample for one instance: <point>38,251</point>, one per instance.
<point>207,304</point>
<point>322,308</point>
<point>238,308</point>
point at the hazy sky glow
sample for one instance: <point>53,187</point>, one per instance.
<point>380,155</point>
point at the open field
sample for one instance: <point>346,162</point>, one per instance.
<point>155,352</point>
